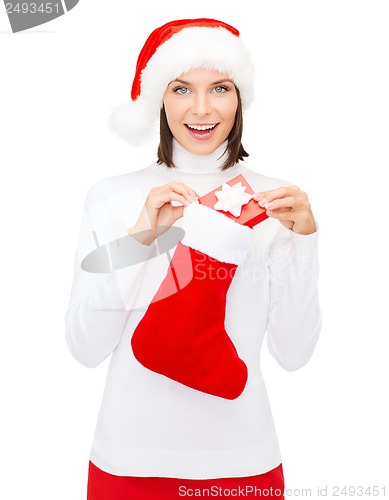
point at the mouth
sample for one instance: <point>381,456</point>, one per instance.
<point>201,131</point>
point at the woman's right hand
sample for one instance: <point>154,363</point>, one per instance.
<point>158,213</point>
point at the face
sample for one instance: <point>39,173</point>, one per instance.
<point>200,108</point>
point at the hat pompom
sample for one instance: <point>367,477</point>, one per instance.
<point>134,122</point>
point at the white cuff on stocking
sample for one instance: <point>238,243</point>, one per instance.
<point>215,234</point>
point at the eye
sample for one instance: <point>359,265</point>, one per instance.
<point>181,90</point>
<point>220,89</point>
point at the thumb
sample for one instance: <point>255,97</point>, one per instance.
<point>178,212</point>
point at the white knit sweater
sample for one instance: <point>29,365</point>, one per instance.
<point>148,424</point>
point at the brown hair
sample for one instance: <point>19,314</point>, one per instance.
<point>234,147</point>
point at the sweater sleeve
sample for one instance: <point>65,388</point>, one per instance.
<point>101,299</point>
<point>295,317</point>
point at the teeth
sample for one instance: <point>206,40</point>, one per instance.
<point>201,127</point>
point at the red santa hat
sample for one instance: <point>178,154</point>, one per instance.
<point>170,51</point>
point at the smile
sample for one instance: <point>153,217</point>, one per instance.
<point>201,127</point>
<point>201,132</point>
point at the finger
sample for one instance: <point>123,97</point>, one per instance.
<point>178,212</point>
<point>180,198</point>
<point>157,200</point>
<point>281,210</point>
<point>267,196</point>
<point>264,197</point>
<point>290,202</point>
<point>293,220</point>
<point>184,190</point>
<point>281,214</point>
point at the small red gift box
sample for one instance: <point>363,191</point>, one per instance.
<point>251,213</point>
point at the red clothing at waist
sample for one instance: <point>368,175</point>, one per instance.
<point>105,486</point>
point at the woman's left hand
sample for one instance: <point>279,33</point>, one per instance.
<point>290,206</point>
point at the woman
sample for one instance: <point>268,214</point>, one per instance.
<point>185,410</point>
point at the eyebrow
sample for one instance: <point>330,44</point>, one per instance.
<point>213,83</point>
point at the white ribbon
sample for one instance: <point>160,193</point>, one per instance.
<point>232,198</point>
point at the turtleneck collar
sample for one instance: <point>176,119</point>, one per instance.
<point>200,167</point>
<point>190,163</point>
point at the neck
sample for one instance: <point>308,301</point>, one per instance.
<point>198,164</point>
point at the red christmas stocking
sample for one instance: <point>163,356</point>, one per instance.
<point>182,335</point>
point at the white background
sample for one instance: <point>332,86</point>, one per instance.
<point>320,120</point>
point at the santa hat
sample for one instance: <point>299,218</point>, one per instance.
<point>170,51</point>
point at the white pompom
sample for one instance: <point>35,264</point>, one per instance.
<point>134,122</point>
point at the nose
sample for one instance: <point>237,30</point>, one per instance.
<point>201,104</point>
